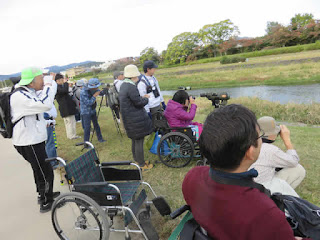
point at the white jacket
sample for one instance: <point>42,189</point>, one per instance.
<point>31,129</point>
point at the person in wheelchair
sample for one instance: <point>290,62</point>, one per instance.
<point>177,113</point>
<point>231,141</point>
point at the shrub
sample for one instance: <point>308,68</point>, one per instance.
<point>228,60</point>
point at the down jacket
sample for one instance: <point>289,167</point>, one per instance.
<point>135,118</point>
<point>177,114</point>
<point>67,106</point>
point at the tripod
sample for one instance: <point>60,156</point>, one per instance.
<point>113,113</point>
<point>97,117</point>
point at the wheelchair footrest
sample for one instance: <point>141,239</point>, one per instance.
<point>135,206</point>
<point>161,205</point>
<point>149,229</point>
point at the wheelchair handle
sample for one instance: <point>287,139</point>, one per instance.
<point>61,160</point>
<point>85,144</point>
<point>105,164</point>
<point>179,211</point>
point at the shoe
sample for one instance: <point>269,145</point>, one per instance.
<point>118,120</point>
<point>54,195</point>
<point>102,140</point>
<point>146,167</point>
<point>45,207</point>
<point>79,121</point>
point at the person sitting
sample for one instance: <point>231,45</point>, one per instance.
<point>177,113</point>
<point>272,157</point>
<point>231,141</point>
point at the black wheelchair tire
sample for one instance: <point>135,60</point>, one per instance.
<point>181,138</point>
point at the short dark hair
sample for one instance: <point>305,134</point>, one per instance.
<point>180,96</point>
<point>227,134</point>
<point>58,76</point>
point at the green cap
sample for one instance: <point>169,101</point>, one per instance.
<point>28,74</point>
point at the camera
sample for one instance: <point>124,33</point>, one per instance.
<point>218,100</point>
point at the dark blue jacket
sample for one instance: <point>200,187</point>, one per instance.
<point>87,102</point>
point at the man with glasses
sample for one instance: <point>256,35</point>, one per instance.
<point>278,171</point>
<point>231,142</point>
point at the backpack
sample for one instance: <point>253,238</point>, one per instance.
<point>303,216</point>
<point>6,125</point>
<point>113,98</point>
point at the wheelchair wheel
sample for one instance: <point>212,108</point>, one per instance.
<point>175,150</point>
<point>77,216</point>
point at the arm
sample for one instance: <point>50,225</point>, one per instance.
<point>86,99</point>
<point>136,99</point>
<point>143,91</point>
<point>284,159</point>
<point>184,115</point>
<point>157,84</point>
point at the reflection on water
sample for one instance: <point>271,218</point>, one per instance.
<point>283,94</point>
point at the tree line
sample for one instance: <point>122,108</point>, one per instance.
<point>222,39</point>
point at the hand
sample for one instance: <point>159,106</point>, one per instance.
<point>65,80</point>
<point>285,136</point>
<point>192,100</point>
<point>96,93</point>
<point>53,75</point>
<point>146,96</point>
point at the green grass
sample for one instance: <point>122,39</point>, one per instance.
<point>167,181</point>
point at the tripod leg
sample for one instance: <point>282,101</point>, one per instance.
<point>97,117</point>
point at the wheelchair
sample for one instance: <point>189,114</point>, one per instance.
<point>177,145</point>
<point>98,193</point>
<point>188,228</point>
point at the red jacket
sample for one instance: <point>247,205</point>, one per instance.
<point>233,212</point>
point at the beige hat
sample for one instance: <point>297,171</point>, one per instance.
<point>268,125</point>
<point>131,71</point>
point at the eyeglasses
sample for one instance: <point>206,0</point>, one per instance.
<point>261,134</point>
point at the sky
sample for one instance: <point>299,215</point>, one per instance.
<point>58,32</point>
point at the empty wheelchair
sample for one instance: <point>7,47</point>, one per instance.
<point>99,192</point>
<point>177,145</point>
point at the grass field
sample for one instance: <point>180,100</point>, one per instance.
<point>265,70</point>
<point>167,181</point>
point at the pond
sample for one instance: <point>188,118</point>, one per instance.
<point>306,94</point>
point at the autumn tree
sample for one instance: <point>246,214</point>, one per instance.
<point>271,27</point>
<point>300,20</point>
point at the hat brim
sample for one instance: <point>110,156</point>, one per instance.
<point>274,132</point>
<point>25,81</point>
<point>94,86</point>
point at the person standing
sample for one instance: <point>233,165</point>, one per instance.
<point>148,84</point>
<point>135,118</point>
<point>67,106</point>
<point>29,132</point>
<point>76,97</point>
<point>88,106</point>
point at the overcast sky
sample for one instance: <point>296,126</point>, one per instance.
<point>58,32</point>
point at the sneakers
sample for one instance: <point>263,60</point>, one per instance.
<point>54,195</point>
<point>46,207</point>
<point>118,120</point>
<point>146,167</point>
<point>102,140</point>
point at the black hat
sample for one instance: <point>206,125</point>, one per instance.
<point>149,64</point>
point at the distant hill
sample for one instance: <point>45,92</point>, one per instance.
<point>56,69</point>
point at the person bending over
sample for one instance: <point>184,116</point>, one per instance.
<point>88,106</point>
<point>177,113</point>
<point>231,141</point>
<point>272,158</point>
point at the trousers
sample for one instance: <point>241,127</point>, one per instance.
<point>86,124</point>
<point>42,171</point>
<point>137,151</point>
<point>70,124</point>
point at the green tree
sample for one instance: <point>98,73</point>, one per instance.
<point>300,20</point>
<point>272,26</point>
<point>181,47</point>
<point>217,33</point>
<point>149,53</point>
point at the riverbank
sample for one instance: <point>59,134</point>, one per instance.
<point>167,181</point>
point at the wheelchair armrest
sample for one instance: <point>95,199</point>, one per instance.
<point>179,128</point>
<point>61,160</point>
<point>179,211</point>
<point>120,163</point>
